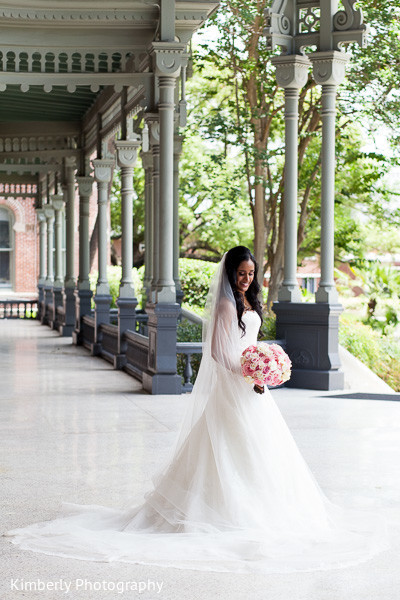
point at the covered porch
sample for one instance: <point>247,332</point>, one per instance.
<point>75,430</point>
<point>85,91</point>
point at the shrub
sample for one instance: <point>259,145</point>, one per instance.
<point>380,353</point>
<point>114,274</point>
<point>189,332</point>
<point>268,327</point>
<point>195,278</point>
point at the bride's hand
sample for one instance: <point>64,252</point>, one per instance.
<point>258,389</point>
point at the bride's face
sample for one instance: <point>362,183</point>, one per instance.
<point>244,275</point>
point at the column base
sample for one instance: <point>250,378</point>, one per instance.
<point>95,349</point>
<point>289,293</point>
<point>57,301</point>
<point>83,306</point>
<point>67,326</point>
<point>66,330</point>
<point>162,384</point>
<point>311,333</point>
<point>40,300</point>
<point>126,322</point>
<point>101,313</point>
<point>161,376</point>
<point>316,380</point>
<point>47,301</point>
<point>327,294</point>
<point>179,296</point>
<point>119,361</point>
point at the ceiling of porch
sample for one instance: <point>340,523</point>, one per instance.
<point>37,105</point>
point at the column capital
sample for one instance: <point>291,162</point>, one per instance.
<point>57,202</point>
<point>291,70</point>
<point>103,168</point>
<point>127,152</point>
<point>70,162</point>
<point>168,58</point>
<point>147,159</point>
<point>85,185</point>
<point>329,68</point>
<point>49,212</point>
<point>178,142</point>
<point>153,123</point>
<point>40,214</point>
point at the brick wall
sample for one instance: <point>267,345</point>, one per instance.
<point>25,255</point>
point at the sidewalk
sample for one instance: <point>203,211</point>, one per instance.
<point>74,430</point>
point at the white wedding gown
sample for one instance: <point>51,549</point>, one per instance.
<point>236,496</point>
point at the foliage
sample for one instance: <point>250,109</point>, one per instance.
<point>380,239</point>
<point>195,276</point>
<point>189,332</point>
<point>360,194</point>
<point>231,172</point>
<point>381,288</point>
<point>214,214</point>
<point>380,353</point>
<point>237,104</point>
<point>114,277</point>
<point>268,327</point>
<point>138,210</point>
<point>371,92</point>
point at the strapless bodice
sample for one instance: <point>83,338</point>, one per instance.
<point>253,322</point>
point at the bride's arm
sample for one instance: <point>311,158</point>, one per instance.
<point>225,348</point>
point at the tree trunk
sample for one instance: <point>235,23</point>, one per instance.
<point>275,260</point>
<point>259,220</point>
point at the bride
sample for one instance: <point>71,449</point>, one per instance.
<point>236,494</point>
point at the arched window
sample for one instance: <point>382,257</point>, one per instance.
<point>5,247</point>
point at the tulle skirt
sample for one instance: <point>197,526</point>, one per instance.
<point>236,496</point>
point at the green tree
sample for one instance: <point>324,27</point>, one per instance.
<point>214,212</point>
<point>245,112</point>
<point>138,211</point>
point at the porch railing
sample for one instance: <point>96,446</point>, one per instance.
<point>135,353</point>
<point>188,349</point>
<point>18,309</point>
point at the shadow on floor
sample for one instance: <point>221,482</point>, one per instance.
<point>364,396</point>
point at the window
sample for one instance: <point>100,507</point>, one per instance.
<point>5,247</point>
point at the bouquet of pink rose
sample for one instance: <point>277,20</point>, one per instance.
<point>265,364</point>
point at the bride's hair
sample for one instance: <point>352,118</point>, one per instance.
<point>233,258</point>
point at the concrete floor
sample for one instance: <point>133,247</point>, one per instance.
<point>74,430</point>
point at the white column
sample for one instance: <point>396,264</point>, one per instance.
<point>57,202</point>
<point>161,375</point>
<point>166,291</point>
<point>178,139</point>
<point>69,197</point>
<point>154,208</point>
<point>83,293</point>
<point>49,213</point>
<point>42,244</point>
<point>168,59</point>
<point>126,157</point>
<point>328,71</point>
<point>103,173</point>
<point>147,162</point>
<point>85,185</point>
<point>291,74</point>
